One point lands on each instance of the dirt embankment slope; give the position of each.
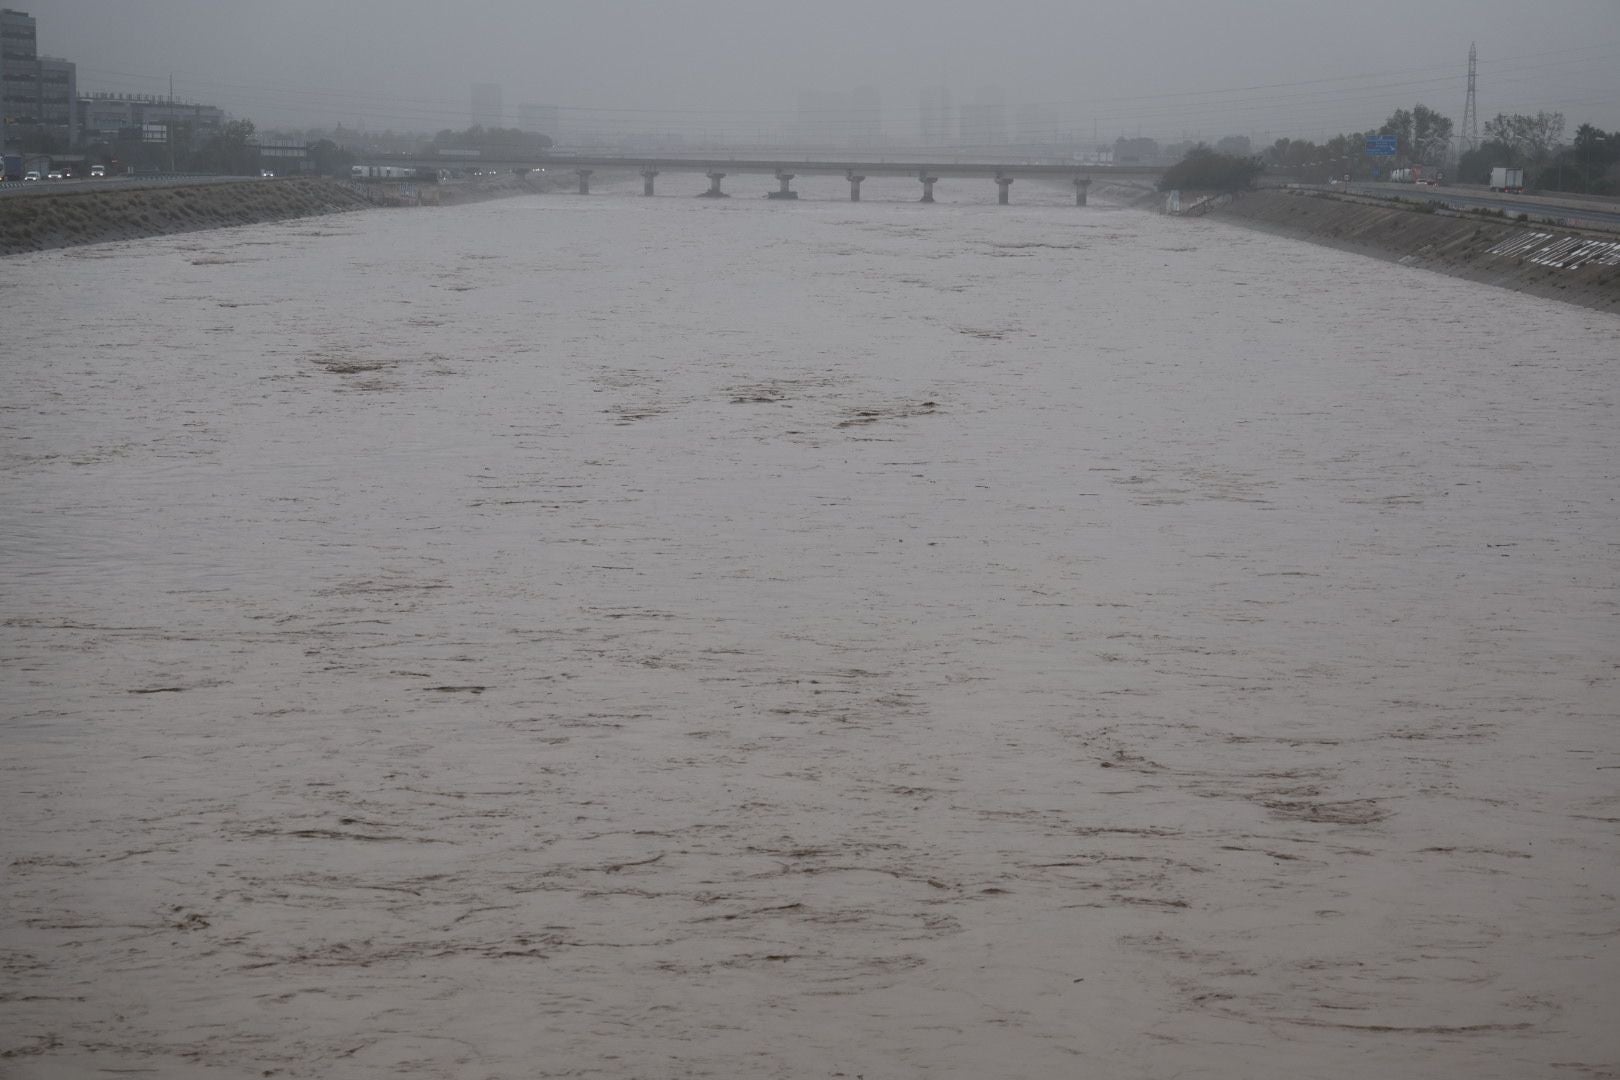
(38, 222)
(1566, 264)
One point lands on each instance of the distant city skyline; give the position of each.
(720, 69)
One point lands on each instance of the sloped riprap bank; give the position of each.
(40, 222)
(1572, 265)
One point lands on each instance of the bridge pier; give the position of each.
(785, 192)
(584, 180)
(1081, 185)
(1004, 183)
(928, 183)
(647, 178)
(854, 185)
(714, 191)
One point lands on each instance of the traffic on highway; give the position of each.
(1567, 210)
(25, 187)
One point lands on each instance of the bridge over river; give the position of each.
(786, 169)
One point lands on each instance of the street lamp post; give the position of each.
(1594, 138)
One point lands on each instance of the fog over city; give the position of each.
(744, 71)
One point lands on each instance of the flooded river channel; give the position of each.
(628, 638)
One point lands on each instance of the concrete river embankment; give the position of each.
(91, 217)
(69, 218)
(1575, 265)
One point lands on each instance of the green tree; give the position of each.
(230, 151)
(182, 144)
(1203, 169)
(330, 159)
(1431, 136)
(133, 152)
(1422, 134)
(1399, 125)
(1534, 138)
(1475, 166)
(1584, 165)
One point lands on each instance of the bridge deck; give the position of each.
(884, 167)
(797, 166)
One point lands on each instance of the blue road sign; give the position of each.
(1383, 145)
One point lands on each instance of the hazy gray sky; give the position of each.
(1165, 68)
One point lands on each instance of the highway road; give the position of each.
(1571, 210)
(18, 188)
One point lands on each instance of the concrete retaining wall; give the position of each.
(1566, 264)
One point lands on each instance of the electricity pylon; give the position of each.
(1470, 122)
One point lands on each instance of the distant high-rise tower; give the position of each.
(37, 93)
(487, 107)
(1470, 123)
(936, 125)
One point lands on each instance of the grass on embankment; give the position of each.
(39, 222)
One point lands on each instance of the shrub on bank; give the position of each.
(1203, 169)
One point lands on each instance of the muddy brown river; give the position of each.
(636, 638)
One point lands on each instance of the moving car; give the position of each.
(266, 174)
(54, 175)
(31, 174)
(97, 171)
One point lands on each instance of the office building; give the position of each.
(106, 117)
(38, 94)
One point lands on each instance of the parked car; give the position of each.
(31, 174)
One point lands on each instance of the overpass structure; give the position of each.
(785, 170)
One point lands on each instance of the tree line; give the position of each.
(1588, 164)
(1423, 137)
(1534, 143)
(233, 149)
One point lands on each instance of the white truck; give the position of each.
(1426, 175)
(1509, 180)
